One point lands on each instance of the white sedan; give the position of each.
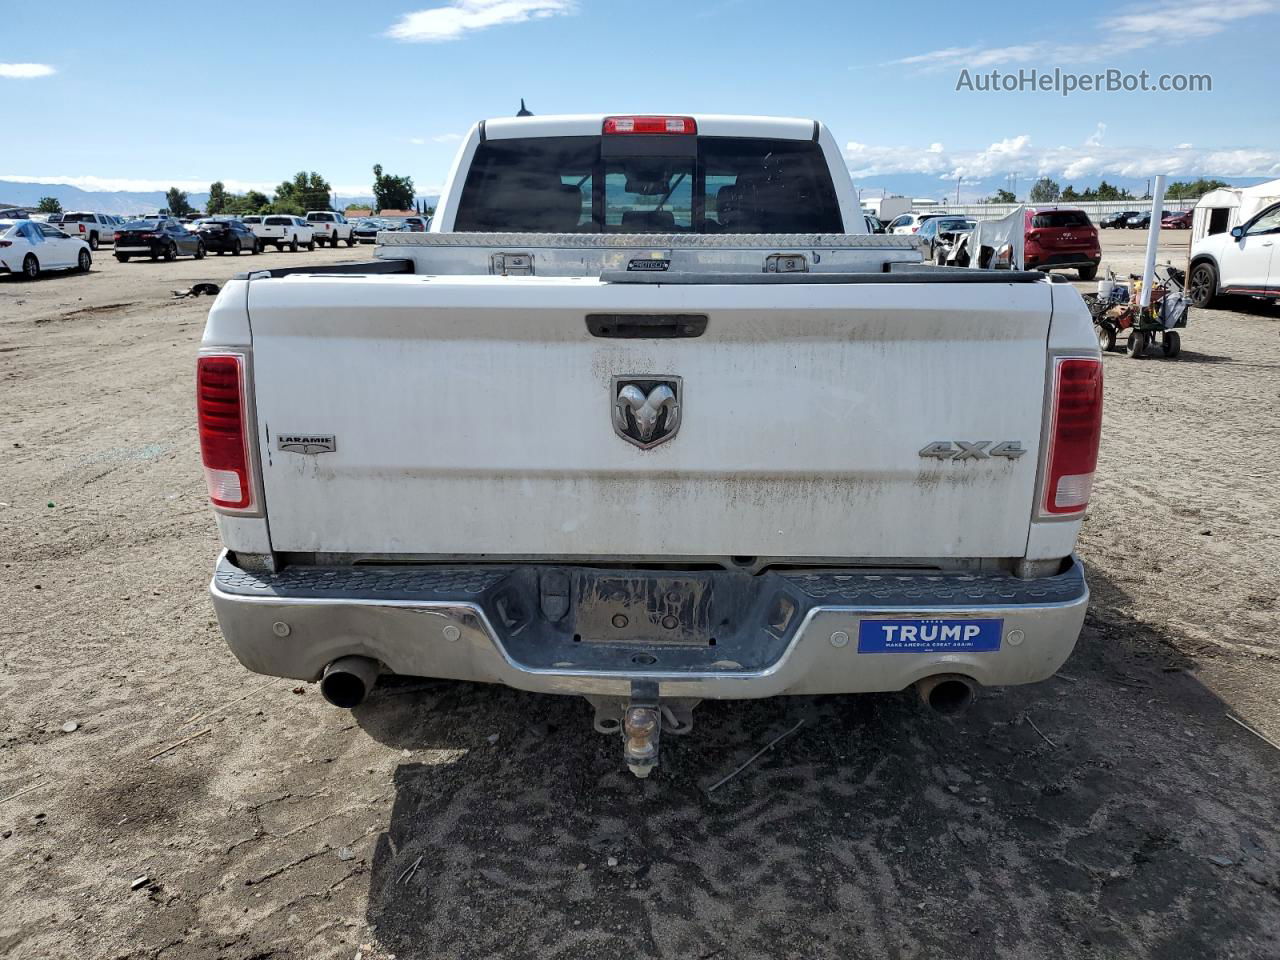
(28, 247)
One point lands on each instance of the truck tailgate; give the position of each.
(474, 415)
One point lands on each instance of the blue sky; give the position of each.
(144, 95)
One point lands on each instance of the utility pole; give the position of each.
(958, 190)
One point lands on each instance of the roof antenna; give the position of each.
(524, 111)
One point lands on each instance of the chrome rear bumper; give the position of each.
(780, 633)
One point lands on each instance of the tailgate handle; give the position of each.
(646, 326)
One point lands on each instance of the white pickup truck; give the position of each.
(647, 417)
(92, 228)
(284, 230)
(330, 227)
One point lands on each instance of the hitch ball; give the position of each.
(640, 728)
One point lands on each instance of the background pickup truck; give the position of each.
(282, 231)
(92, 228)
(330, 227)
(648, 417)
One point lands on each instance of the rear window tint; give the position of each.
(1060, 218)
(278, 222)
(728, 185)
(78, 218)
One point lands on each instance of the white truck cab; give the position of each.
(648, 417)
(330, 227)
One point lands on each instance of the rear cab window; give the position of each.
(1060, 218)
(648, 184)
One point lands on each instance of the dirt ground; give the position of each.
(1113, 811)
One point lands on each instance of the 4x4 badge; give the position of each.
(972, 449)
(646, 410)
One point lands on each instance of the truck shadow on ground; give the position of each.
(1110, 811)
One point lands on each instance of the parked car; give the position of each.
(367, 230)
(283, 230)
(28, 248)
(940, 233)
(873, 223)
(415, 224)
(330, 227)
(93, 228)
(1242, 261)
(1177, 220)
(910, 222)
(406, 513)
(161, 238)
(54, 218)
(226, 235)
(1138, 221)
(1061, 237)
(1117, 220)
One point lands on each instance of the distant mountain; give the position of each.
(923, 185)
(121, 202)
(73, 198)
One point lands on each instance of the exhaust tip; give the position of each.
(947, 694)
(346, 682)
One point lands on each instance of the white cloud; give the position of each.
(1165, 22)
(976, 58)
(447, 138)
(460, 17)
(1019, 155)
(417, 141)
(26, 71)
(1095, 139)
(1172, 20)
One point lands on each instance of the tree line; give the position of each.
(1046, 190)
(305, 191)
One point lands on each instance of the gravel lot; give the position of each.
(1114, 811)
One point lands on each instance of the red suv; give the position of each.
(1061, 237)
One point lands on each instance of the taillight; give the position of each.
(1034, 236)
(915, 229)
(224, 442)
(1074, 432)
(663, 125)
(115, 236)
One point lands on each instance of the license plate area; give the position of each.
(647, 609)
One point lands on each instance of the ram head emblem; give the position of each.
(646, 410)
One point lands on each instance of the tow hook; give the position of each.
(641, 727)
